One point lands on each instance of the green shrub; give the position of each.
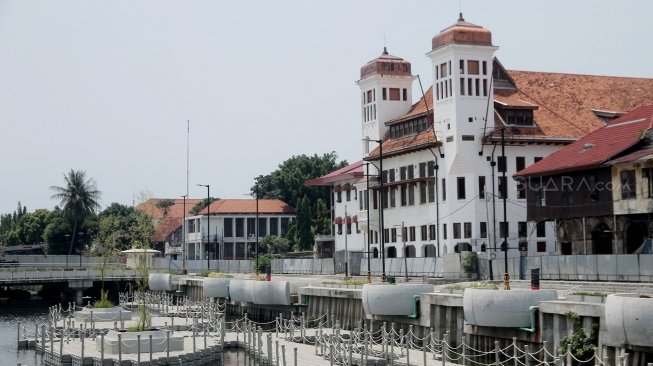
(589, 293)
(485, 284)
(103, 302)
(582, 345)
(220, 275)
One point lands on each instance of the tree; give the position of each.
(275, 244)
(287, 184)
(202, 205)
(164, 205)
(79, 198)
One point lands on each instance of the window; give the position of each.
(424, 235)
(393, 235)
(240, 227)
(274, 226)
(431, 190)
(485, 87)
(395, 94)
(404, 194)
(402, 173)
(339, 229)
(392, 175)
(443, 70)
(405, 92)
(501, 164)
(520, 163)
(483, 229)
(393, 197)
(628, 184)
(648, 174)
(386, 234)
(411, 231)
(411, 194)
(338, 195)
(503, 229)
(285, 223)
(384, 176)
(521, 188)
(431, 168)
(228, 227)
(472, 67)
(462, 86)
(503, 187)
(384, 92)
(481, 186)
(456, 230)
(422, 170)
(541, 246)
(348, 195)
(444, 189)
(422, 192)
(191, 226)
(518, 117)
(360, 202)
(469, 86)
(444, 231)
(375, 204)
(536, 159)
(484, 67)
(540, 229)
(384, 197)
(411, 172)
(478, 88)
(431, 232)
(461, 188)
(262, 227)
(567, 197)
(468, 229)
(251, 226)
(522, 230)
(462, 66)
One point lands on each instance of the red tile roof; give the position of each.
(352, 171)
(562, 103)
(597, 147)
(164, 225)
(643, 154)
(248, 206)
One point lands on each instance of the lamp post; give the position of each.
(256, 229)
(504, 193)
(382, 193)
(367, 209)
(67, 236)
(208, 222)
(183, 236)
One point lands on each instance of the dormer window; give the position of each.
(519, 117)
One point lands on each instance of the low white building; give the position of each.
(447, 161)
(227, 228)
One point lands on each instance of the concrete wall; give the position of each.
(324, 266)
(625, 267)
(225, 266)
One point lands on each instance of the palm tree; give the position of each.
(79, 198)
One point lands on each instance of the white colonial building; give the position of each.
(447, 160)
(232, 233)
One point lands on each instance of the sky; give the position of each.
(108, 87)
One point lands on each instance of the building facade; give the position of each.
(440, 169)
(227, 229)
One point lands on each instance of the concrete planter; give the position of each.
(629, 320)
(505, 309)
(392, 299)
(103, 315)
(272, 293)
(216, 287)
(160, 282)
(242, 290)
(130, 342)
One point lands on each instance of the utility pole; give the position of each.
(506, 276)
(347, 226)
(403, 239)
(367, 209)
(183, 235)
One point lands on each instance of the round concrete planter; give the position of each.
(506, 309)
(216, 287)
(272, 293)
(392, 299)
(130, 342)
(629, 319)
(160, 282)
(242, 290)
(103, 314)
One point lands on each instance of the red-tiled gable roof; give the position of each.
(248, 205)
(562, 104)
(166, 225)
(176, 210)
(351, 171)
(643, 154)
(598, 146)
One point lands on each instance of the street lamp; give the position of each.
(382, 193)
(256, 228)
(208, 222)
(506, 276)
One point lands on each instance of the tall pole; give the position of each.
(494, 213)
(383, 277)
(403, 238)
(506, 276)
(346, 247)
(208, 222)
(257, 225)
(367, 207)
(437, 210)
(183, 245)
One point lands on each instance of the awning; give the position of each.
(354, 219)
(337, 220)
(336, 189)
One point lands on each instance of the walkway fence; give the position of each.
(321, 338)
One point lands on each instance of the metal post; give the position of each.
(119, 348)
(497, 362)
(527, 356)
(514, 351)
(150, 336)
(367, 208)
(83, 337)
(42, 339)
(331, 350)
(276, 351)
(506, 276)
(102, 348)
(269, 339)
(295, 356)
(138, 349)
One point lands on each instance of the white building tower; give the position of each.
(386, 93)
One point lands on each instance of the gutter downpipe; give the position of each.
(533, 311)
(415, 313)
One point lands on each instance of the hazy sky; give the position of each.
(107, 86)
